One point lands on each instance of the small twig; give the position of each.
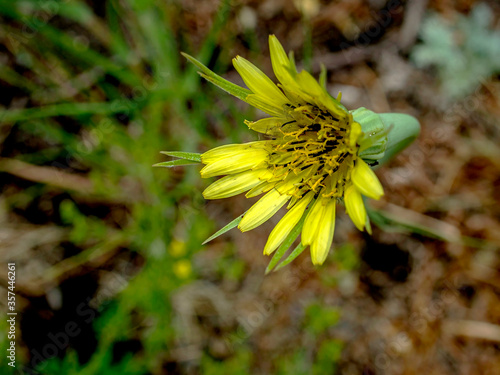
(414, 14)
(472, 329)
(422, 223)
(46, 175)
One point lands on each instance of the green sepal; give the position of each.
(193, 156)
(404, 129)
(175, 163)
(224, 84)
(294, 254)
(386, 134)
(227, 228)
(289, 240)
(374, 141)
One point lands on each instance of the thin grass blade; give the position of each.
(63, 109)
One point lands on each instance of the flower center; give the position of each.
(315, 146)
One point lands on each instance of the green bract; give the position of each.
(390, 133)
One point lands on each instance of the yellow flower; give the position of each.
(310, 161)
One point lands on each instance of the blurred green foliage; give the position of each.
(321, 353)
(127, 97)
(240, 363)
(320, 318)
(105, 96)
(465, 51)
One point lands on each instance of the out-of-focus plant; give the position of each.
(463, 51)
(98, 97)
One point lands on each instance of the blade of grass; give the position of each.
(89, 56)
(160, 45)
(62, 40)
(64, 109)
(81, 13)
(222, 16)
(210, 43)
(13, 78)
(118, 45)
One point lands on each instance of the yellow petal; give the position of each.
(292, 202)
(312, 222)
(233, 184)
(366, 180)
(337, 109)
(266, 125)
(292, 182)
(309, 85)
(265, 105)
(224, 151)
(258, 82)
(355, 207)
(273, 125)
(261, 211)
(322, 242)
(281, 64)
(355, 134)
(286, 224)
(235, 162)
(263, 187)
(368, 225)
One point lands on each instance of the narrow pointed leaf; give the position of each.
(278, 254)
(294, 254)
(224, 84)
(175, 163)
(227, 228)
(289, 240)
(193, 156)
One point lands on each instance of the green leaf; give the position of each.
(289, 240)
(227, 228)
(224, 84)
(175, 163)
(294, 254)
(193, 156)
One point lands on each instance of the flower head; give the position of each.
(311, 161)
